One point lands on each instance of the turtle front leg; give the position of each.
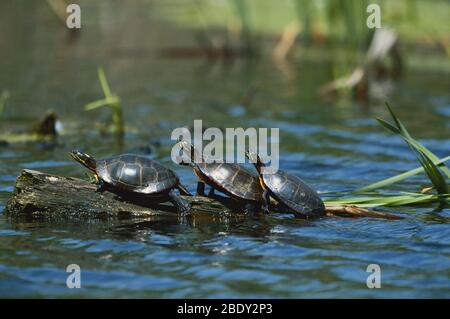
(250, 208)
(266, 201)
(101, 187)
(183, 207)
(201, 188)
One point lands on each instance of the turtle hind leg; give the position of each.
(201, 189)
(183, 207)
(251, 208)
(101, 186)
(266, 201)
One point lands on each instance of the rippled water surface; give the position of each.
(333, 146)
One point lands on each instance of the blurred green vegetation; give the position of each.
(3, 98)
(414, 20)
(254, 26)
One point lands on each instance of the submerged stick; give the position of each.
(45, 196)
(354, 211)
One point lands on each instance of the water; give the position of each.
(333, 146)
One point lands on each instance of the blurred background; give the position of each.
(311, 68)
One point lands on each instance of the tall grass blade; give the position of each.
(426, 158)
(392, 201)
(101, 102)
(111, 100)
(103, 82)
(434, 174)
(412, 142)
(397, 178)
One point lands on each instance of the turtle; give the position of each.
(239, 183)
(288, 190)
(134, 174)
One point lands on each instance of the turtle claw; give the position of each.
(185, 210)
(250, 209)
(183, 207)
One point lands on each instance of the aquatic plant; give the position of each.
(433, 166)
(374, 200)
(397, 178)
(238, 26)
(426, 158)
(111, 100)
(243, 13)
(334, 19)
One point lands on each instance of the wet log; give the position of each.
(48, 197)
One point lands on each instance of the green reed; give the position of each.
(110, 100)
(434, 167)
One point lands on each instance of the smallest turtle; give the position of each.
(288, 190)
(136, 175)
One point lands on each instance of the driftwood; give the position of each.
(49, 197)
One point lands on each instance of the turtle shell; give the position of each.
(136, 174)
(231, 179)
(294, 193)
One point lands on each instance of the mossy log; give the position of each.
(46, 196)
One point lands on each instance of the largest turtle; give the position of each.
(134, 174)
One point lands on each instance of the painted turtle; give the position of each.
(288, 190)
(136, 174)
(231, 179)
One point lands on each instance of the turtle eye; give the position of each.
(76, 153)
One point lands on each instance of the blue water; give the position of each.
(334, 146)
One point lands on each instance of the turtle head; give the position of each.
(255, 159)
(84, 159)
(183, 161)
